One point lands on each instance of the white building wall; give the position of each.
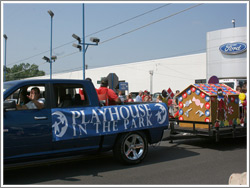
(176, 73)
(222, 65)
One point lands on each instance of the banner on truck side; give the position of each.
(83, 122)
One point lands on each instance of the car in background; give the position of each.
(134, 94)
(155, 95)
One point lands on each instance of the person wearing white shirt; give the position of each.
(35, 101)
(139, 97)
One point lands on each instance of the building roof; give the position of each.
(209, 89)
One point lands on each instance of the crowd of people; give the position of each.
(242, 104)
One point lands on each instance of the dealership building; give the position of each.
(225, 57)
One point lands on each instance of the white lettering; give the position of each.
(75, 115)
(148, 121)
(83, 129)
(116, 113)
(95, 116)
(97, 127)
(136, 110)
(83, 117)
(103, 113)
(106, 126)
(122, 114)
(126, 122)
(74, 130)
(148, 110)
(141, 122)
(115, 128)
(142, 110)
(134, 123)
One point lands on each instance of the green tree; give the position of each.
(23, 70)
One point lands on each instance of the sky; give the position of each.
(132, 32)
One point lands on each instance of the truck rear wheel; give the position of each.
(131, 148)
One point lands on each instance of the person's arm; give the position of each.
(21, 107)
(38, 104)
(112, 95)
(118, 100)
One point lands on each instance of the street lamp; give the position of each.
(233, 21)
(53, 58)
(81, 44)
(151, 72)
(51, 16)
(81, 47)
(5, 37)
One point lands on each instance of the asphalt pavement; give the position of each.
(184, 162)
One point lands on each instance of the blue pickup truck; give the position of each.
(73, 121)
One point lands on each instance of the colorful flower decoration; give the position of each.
(180, 98)
(202, 95)
(207, 113)
(207, 98)
(236, 100)
(207, 105)
(193, 89)
(232, 98)
(181, 118)
(184, 95)
(181, 112)
(181, 105)
(197, 92)
(189, 92)
(230, 110)
(207, 119)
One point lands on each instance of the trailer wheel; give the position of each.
(131, 148)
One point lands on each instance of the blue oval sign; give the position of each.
(233, 48)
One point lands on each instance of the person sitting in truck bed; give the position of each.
(104, 93)
(35, 101)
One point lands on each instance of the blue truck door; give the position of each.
(27, 132)
(68, 98)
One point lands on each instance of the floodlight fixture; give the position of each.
(94, 39)
(53, 58)
(77, 38)
(46, 58)
(77, 46)
(51, 13)
(233, 21)
(5, 36)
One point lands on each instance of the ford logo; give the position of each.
(233, 48)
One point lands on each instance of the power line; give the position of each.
(128, 19)
(131, 31)
(122, 22)
(144, 26)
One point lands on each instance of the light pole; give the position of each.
(5, 44)
(51, 16)
(151, 72)
(81, 44)
(233, 21)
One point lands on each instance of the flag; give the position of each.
(170, 93)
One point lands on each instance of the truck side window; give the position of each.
(22, 98)
(70, 95)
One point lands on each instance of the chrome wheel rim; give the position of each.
(134, 147)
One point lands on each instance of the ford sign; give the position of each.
(233, 48)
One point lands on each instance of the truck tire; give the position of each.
(131, 148)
